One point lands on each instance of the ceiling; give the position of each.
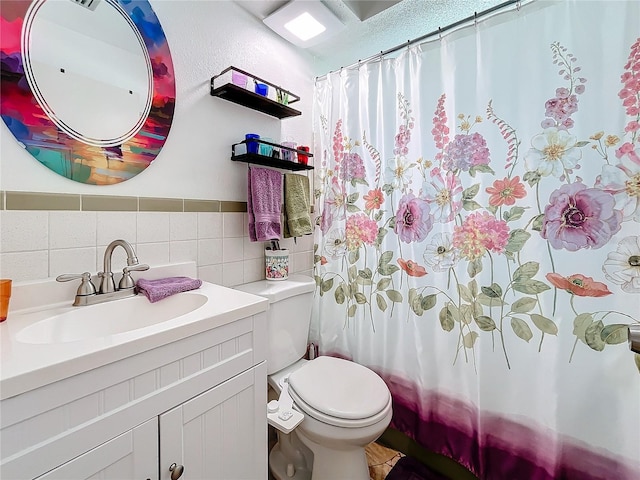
(375, 25)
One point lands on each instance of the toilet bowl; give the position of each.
(345, 405)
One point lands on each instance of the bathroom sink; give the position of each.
(106, 319)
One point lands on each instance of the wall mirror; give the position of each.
(87, 85)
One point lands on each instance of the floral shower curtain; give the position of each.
(478, 240)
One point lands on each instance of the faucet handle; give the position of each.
(126, 281)
(86, 285)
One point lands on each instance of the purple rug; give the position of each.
(408, 468)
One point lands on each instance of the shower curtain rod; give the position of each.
(440, 31)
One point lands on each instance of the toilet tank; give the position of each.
(288, 317)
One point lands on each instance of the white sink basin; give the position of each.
(110, 318)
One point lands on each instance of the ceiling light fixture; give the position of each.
(304, 22)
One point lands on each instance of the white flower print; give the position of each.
(622, 267)
(553, 153)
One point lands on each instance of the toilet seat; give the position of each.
(339, 392)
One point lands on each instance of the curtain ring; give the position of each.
(439, 33)
(518, 5)
(475, 19)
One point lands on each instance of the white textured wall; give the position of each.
(205, 37)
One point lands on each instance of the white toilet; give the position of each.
(345, 405)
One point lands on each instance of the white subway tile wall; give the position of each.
(43, 244)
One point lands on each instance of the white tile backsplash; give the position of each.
(183, 251)
(232, 250)
(209, 225)
(153, 253)
(153, 227)
(210, 251)
(25, 265)
(117, 225)
(233, 224)
(72, 229)
(71, 260)
(24, 231)
(232, 274)
(38, 244)
(183, 226)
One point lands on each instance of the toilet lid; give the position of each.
(340, 388)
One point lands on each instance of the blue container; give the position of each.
(252, 146)
(262, 89)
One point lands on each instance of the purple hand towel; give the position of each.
(165, 287)
(264, 204)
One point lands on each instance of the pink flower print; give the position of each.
(561, 108)
(374, 199)
(578, 284)
(440, 129)
(413, 219)
(351, 167)
(443, 191)
(466, 151)
(360, 229)
(337, 143)
(623, 182)
(554, 153)
(412, 268)
(630, 93)
(402, 140)
(580, 217)
(480, 232)
(506, 192)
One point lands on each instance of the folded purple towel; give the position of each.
(264, 204)
(158, 289)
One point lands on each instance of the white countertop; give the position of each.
(25, 366)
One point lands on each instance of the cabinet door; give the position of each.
(220, 434)
(132, 455)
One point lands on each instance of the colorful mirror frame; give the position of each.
(56, 150)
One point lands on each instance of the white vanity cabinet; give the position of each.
(198, 401)
(132, 455)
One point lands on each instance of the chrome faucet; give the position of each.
(87, 294)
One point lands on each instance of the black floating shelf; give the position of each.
(247, 98)
(270, 162)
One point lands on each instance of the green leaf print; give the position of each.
(514, 214)
(494, 291)
(470, 205)
(490, 301)
(471, 192)
(544, 324)
(395, 296)
(530, 287)
(580, 325)
(446, 319)
(474, 267)
(637, 360)
(593, 336)
(614, 334)
(521, 329)
(469, 339)
(485, 323)
(326, 285)
(537, 222)
(354, 256)
(526, 271)
(517, 239)
(360, 298)
(523, 305)
(429, 302)
(385, 258)
(339, 294)
(382, 303)
(351, 312)
(383, 283)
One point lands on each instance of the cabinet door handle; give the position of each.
(176, 471)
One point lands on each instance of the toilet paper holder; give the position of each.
(634, 337)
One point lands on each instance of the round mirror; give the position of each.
(88, 85)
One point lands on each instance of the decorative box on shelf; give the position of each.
(240, 153)
(246, 89)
